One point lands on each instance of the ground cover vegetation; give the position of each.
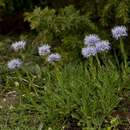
(64, 65)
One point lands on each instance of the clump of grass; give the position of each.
(86, 94)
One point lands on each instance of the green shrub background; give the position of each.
(61, 23)
(49, 96)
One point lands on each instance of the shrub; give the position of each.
(64, 28)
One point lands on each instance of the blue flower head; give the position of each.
(89, 51)
(119, 31)
(103, 46)
(91, 40)
(54, 57)
(15, 63)
(19, 45)
(44, 50)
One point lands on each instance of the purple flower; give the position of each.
(119, 31)
(103, 46)
(15, 63)
(44, 50)
(91, 40)
(89, 51)
(54, 57)
(19, 45)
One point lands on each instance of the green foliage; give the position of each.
(88, 95)
(108, 12)
(43, 96)
(103, 13)
(116, 11)
(66, 21)
(55, 93)
(64, 29)
(123, 11)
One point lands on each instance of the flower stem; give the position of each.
(123, 52)
(98, 61)
(91, 61)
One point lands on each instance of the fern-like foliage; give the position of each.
(65, 27)
(115, 12)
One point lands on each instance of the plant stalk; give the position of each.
(123, 52)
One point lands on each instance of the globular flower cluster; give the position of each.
(44, 50)
(54, 57)
(94, 45)
(89, 51)
(103, 46)
(119, 31)
(91, 40)
(19, 45)
(15, 63)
